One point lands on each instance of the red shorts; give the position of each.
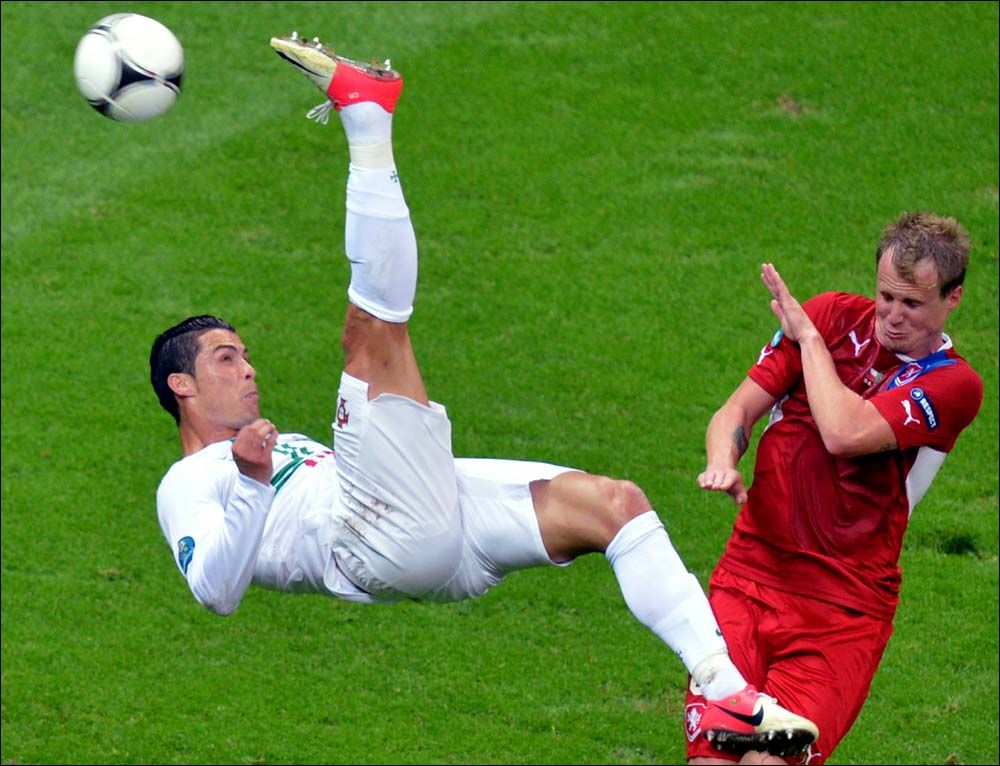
(817, 659)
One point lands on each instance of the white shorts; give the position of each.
(414, 521)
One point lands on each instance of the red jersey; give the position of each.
(832, 528)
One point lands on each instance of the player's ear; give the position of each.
(954, 297)
(182, 384)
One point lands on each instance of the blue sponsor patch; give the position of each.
(920, 397)
(185, 550)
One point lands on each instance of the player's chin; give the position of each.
(248, 418)
(897, 343)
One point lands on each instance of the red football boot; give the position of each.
(344, 81)
(750, 720)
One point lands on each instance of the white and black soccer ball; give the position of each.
(129, 67)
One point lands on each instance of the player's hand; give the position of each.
(252, 449)
(795, 323)
(728, 480)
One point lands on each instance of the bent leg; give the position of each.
(402, 531)
(399, 533)
(579, 513)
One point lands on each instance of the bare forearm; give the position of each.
(727, 437)
(838, 411)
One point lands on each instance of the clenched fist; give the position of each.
(252, 449)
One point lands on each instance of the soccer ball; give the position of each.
(129, 67)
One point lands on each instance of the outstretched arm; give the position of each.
(849, 425)
(728, 437)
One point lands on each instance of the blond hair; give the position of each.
(917, 237)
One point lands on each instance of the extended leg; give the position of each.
(399, 531)
(379, 238)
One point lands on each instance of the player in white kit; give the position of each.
(389, 513)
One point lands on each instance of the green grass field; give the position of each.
(593, 188)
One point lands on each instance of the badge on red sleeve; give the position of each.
(919, 396)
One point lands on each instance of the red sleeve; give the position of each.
(779, 363)
(933, 409)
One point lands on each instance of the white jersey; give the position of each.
(227, 530)
(392, 515)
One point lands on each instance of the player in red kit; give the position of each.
(866, 398)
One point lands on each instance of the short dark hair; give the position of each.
(916, 237)
(175, 350)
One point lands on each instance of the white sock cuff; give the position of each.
(383, 257)
(632, 534)
(379, 310)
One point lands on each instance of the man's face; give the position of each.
(224, 381)
(909, 316)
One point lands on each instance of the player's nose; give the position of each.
(895, 316)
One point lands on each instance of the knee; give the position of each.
(579, 513)
(621, 501)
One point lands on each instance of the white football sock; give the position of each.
(669, 600)
(378, 238)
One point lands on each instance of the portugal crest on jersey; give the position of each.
(343, 416)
